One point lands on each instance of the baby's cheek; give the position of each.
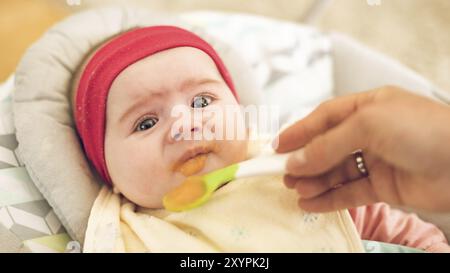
(235, 151)
(148, 169)
(146, 183)
(138, 171)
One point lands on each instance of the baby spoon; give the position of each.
(196, 190)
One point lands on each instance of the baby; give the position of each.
(123, 96)
(137, 128)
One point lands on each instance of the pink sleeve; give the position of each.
(378, 222)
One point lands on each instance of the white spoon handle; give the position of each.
(264, 165)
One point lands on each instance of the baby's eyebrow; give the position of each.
(139, 103)
(191, 82)
(185, 85)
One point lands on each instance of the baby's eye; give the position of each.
(201, 101)
(146, 124)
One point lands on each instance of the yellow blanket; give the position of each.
(247, 215)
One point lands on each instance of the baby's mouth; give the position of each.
(192, 166)
(193, 160)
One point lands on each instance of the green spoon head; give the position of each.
(186, 195)
(196, 190)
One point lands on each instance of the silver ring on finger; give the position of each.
(360, 163)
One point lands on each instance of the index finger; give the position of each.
(324, 117)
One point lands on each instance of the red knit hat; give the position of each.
(107, 63)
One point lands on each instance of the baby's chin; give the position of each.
(148, 203)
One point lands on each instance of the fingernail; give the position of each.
(275, 143)
(300, 157)
(295, 162)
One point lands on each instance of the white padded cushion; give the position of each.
(48, 144)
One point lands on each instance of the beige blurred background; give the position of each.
(415, 32)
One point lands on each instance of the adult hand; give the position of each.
(405, 141)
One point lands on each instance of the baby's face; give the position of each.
(144, 154)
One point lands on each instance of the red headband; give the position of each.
(107, 63)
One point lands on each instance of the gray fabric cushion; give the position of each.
(48, 144)
(9, 242)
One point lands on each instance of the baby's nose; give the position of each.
(185, 132)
